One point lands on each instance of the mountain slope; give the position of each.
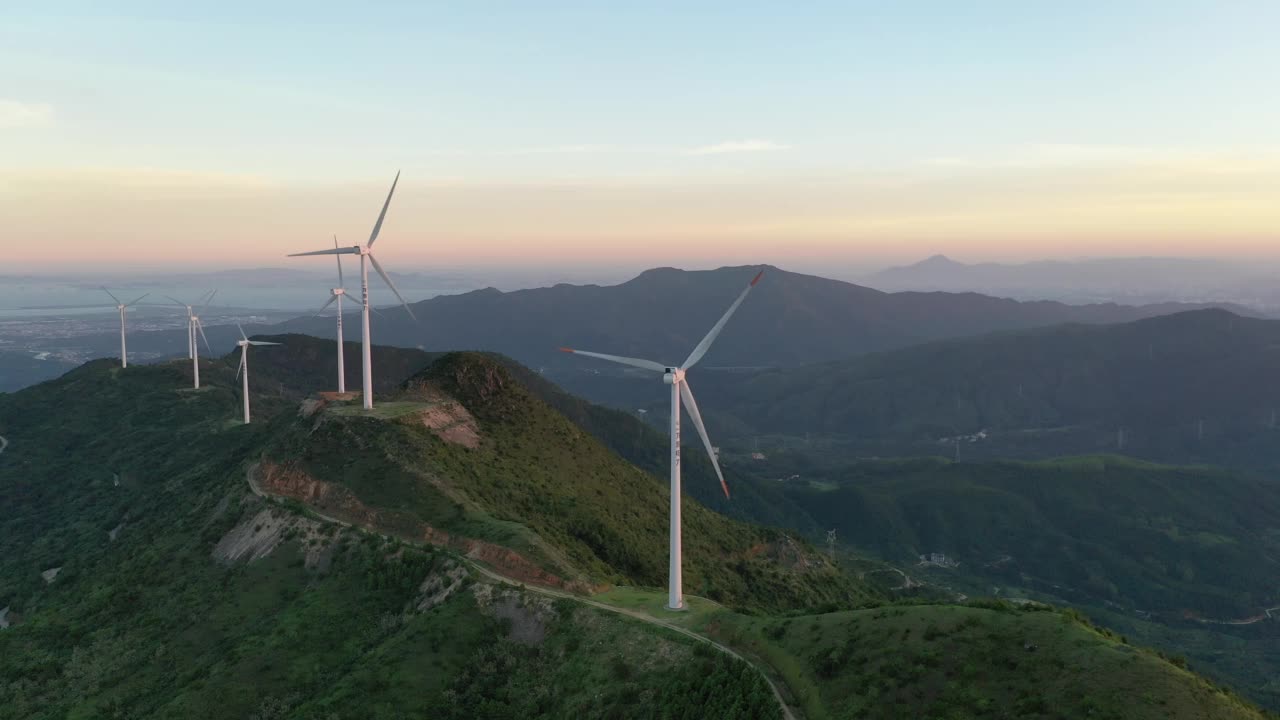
(179, 593)
(1184, 388)
(992, 660)
(468, 451)
(662, 313)
(1184, 558)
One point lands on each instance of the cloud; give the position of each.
(737, 146)
(15, 114)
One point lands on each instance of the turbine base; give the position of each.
(681, 608)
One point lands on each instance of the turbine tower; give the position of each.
(675, 377)
(366, 257)
(193, 326)
(243, 343)
(336, 294)
(121, 307)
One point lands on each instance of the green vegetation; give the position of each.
(1189, 388)
(1163, 554)
(603, 519)
(951, 661)
(180, 594)
(331, 623)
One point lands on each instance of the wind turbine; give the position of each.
(121, 307)
(366, 252)
(675, 377)
(194, 325)
(336, 294)
(244, 342)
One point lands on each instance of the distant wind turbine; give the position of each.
(366, 252)
(244, 342)
(675, 377)
(337, 294)
(121, 307)
(193, 326)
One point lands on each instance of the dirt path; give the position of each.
(787, 712)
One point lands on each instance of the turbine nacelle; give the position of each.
(673, 376)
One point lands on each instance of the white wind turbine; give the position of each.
(366, 252)
(121, 307)
(337, 294)
(193, 326)
(675, 377)
(243, 343)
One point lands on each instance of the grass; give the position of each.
(958, 661)
(382, 410)
(653, 602)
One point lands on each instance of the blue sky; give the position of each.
(661, 96)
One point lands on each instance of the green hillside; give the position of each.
(133, 487)
(180, 593)
(1185, 558)
(467, 450)
(1191, 388)
(992, 661)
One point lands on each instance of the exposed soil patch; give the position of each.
(451, 422)
(51, 574)
(4, 617)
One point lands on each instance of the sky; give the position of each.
(807, 135)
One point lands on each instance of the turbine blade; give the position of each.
(691, 406)
(337, 251)
(263, 342)
(322, 307)
(179, 303)
(705, 345)
(113, 297)
(135, 302)
(200, 327)
(242, 335)
(377, 227)
(391, 285)
(338, 257)
(239, 369)
(207, 301)
(635, 362)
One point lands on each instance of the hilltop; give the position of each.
(466, 455)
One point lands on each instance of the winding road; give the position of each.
(787, 711)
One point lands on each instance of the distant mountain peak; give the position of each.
(937, 261)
